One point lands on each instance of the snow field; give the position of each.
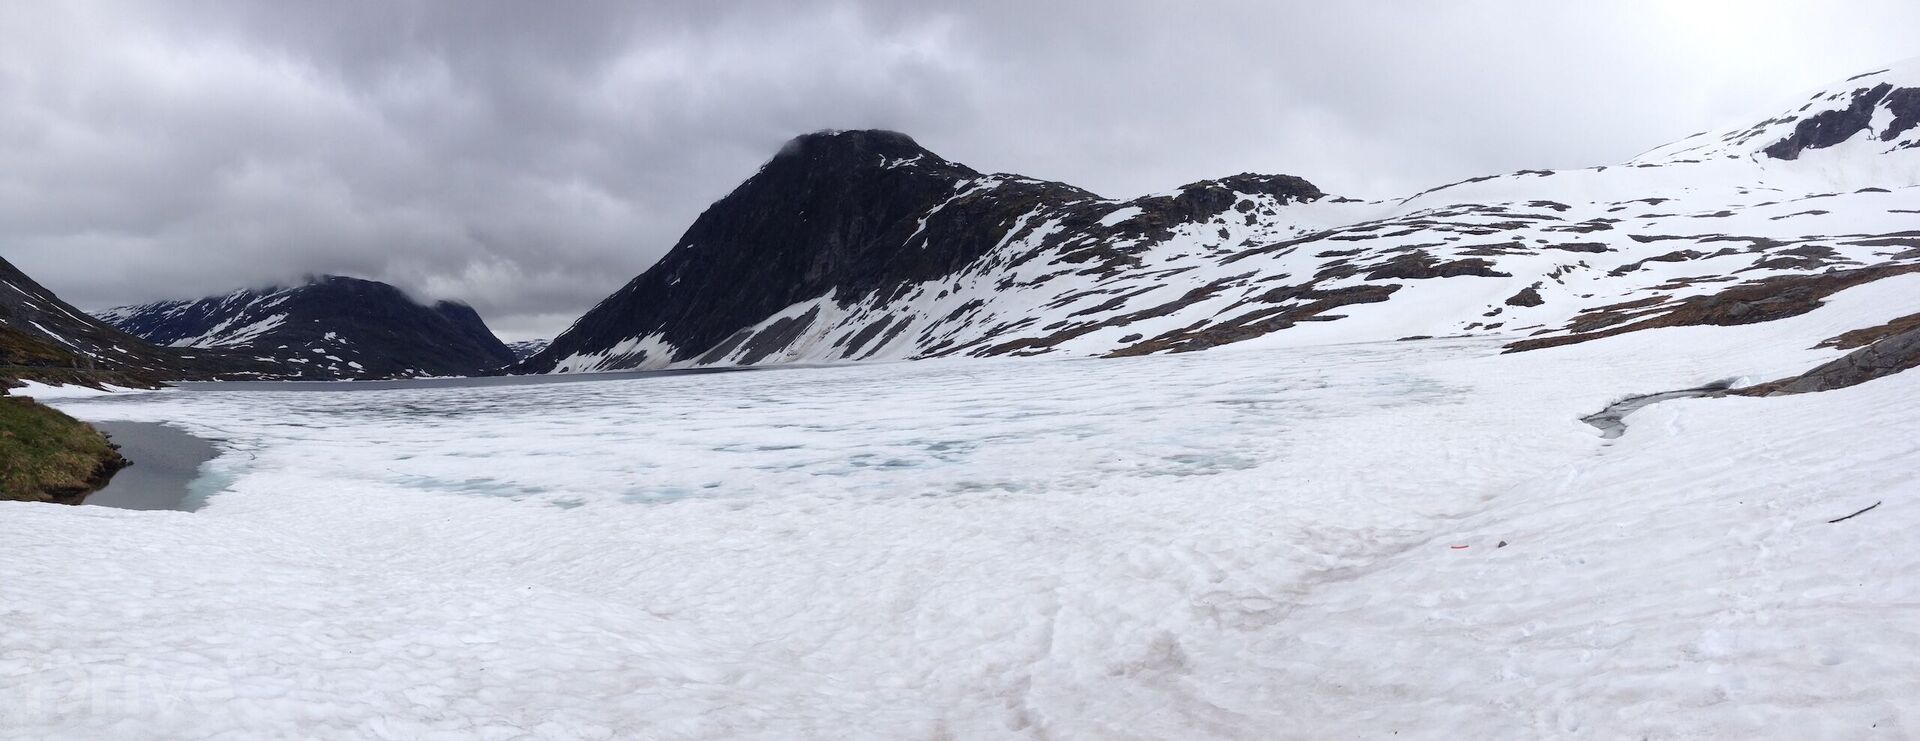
(1245, 543)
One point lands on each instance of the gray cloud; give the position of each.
(530, 158)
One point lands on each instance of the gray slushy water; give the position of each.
(165, 459)
(1612, 421)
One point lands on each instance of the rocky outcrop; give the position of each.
(1762, 300)
(1896, 352)
(1827, 128)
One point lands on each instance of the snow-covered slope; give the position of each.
(329, 327)
(524, 349)
(1385, 540)
(39, 327)
(864, 246)
(1871, 113)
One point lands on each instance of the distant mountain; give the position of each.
(330, 327)
(43, 337)
(870, 218)
(863, 245)
(527, 348)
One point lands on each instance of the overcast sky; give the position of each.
(530, 158)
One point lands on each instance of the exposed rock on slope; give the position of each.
(1888, 349)
(863, 245)
(331, 327)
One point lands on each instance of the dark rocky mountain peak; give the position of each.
(821, 148)
(846, 212)
(857, 216)
(1208, 198)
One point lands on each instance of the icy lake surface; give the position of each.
(1243, 543)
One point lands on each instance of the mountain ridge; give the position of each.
(329, 326)
(880, 266)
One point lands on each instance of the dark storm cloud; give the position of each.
(531, 157)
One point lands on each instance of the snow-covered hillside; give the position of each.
(524, 349)
(914, 256)
(1400, 539)
(328, 327)
(1871, 113)
(37, 326)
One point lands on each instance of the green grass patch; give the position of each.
(24, 357)
(46, 456)
(20, 348)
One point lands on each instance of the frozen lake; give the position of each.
(426, 384)
(1241, 544)
(167, 460)
(913, 430)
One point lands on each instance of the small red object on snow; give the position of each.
(1458, 547)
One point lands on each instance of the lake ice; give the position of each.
(1244, 543)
